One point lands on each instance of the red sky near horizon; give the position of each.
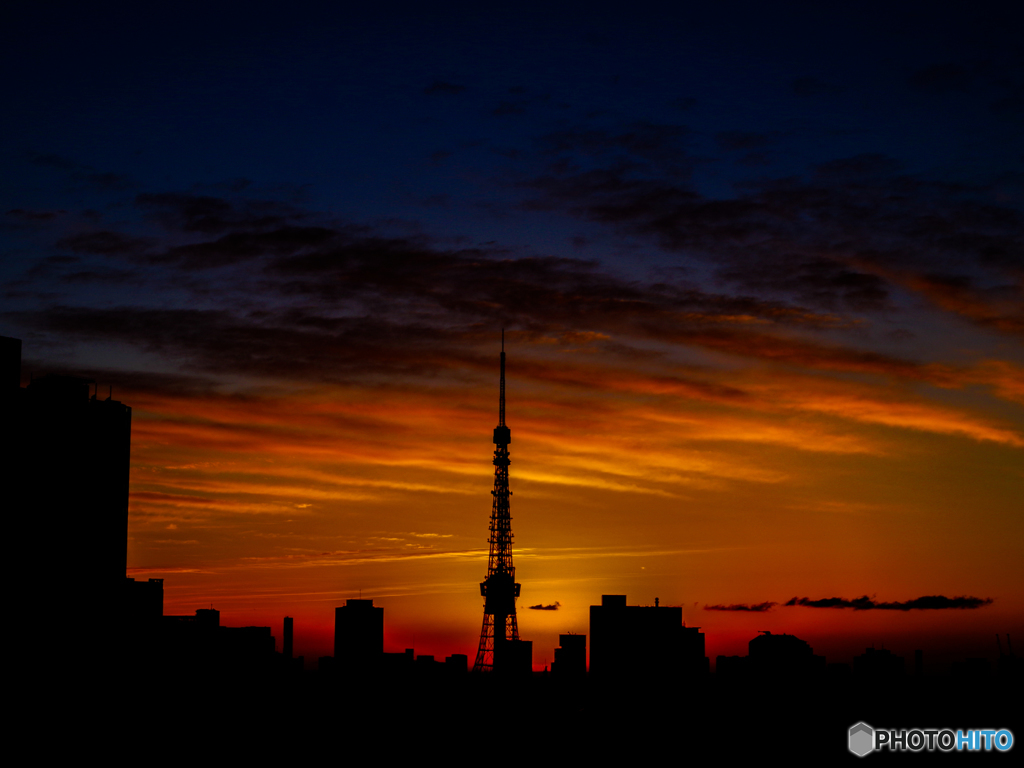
(809, 485)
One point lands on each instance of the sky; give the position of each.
(760, 269)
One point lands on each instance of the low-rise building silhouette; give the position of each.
(457, 665)
(732, 668)
(513, 658)
(198, 643)
(782, 657)
(570, 658)
(643, 642)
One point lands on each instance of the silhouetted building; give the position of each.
(292, 662)
(643, 642)
(71, 454)
(732, 668)
(397, 665)
(142, 621)
(199, 644)
(358, 636)
(570, 658)
(783, 657)
(245, 647)
(427, 668)
(208, 617)
(513, 658)
(457, 664)
(66, 493)
(694, 661)
(143, 601)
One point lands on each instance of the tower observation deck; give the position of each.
(499, 589)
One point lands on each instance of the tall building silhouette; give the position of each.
(358, 636)
(499, 589)
(66, 495)
(289, 628)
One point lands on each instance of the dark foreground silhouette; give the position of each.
(111, 677)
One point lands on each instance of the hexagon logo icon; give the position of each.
(862, 739)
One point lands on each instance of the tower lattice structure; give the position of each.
(499, 589)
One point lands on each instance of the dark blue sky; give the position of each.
(613, 134)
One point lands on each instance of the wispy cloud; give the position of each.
(541, 607)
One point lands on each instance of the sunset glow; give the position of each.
(762, 301)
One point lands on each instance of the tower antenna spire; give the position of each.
(499, 589)
(501, 393)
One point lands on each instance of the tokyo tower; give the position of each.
(499, 589)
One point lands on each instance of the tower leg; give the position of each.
(485, 653)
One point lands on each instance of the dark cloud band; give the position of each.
(742, 607)
(865, 603)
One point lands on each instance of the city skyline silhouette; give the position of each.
(758, 270)
(638, 666)
(79, 447)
